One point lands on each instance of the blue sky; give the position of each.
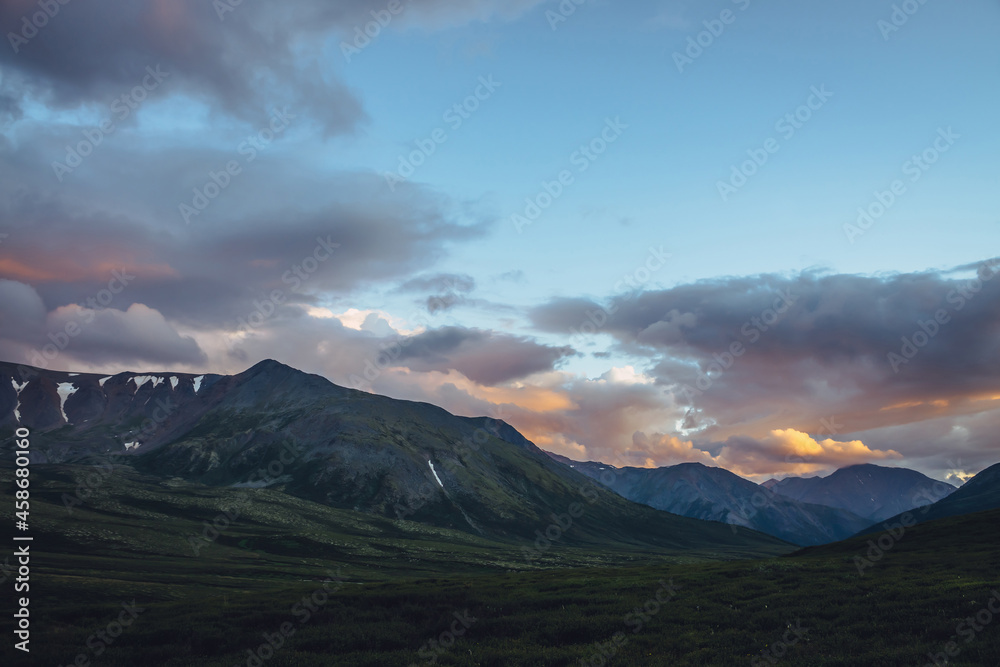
(487, 310)
(657, 185)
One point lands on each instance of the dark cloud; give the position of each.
(446, 290)
(210, 275)
(94, 52)
(73, 334)
(440, 283)
(244, 61)
(829, 350)
(484, 357)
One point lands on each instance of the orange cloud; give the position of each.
(44, 271)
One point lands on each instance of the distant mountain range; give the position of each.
(298, 433)
(715, 494)
(979, 494)
(278, 427)
(870, 491)
(802, 510)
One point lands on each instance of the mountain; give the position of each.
(979, 494)
(273, 426)
(870, 491)
(715, 494)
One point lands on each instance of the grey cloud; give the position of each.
(485, 357)
(92, 52)
(440, 283)
(828, 354)
(209, 275)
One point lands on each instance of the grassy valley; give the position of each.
(353, 589)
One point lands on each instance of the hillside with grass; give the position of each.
(358, 590)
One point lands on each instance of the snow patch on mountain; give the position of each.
(143, 379)
(65, 390)
(434, 472)
(18, 388)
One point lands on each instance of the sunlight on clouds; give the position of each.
(660, 449)
(797, 443)
(321, 313)
(368, 320)
(62, 269)
(625, 375)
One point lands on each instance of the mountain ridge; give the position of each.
(981, 493)
(712, 493)
(341, 447)
(871, 491)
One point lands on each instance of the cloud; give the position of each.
(440, 283)
(488, 358)
(22, 311)
(136, 335)
(211, 275)
(94, 52)
(807, 346)
(240, 57)
(447, 290)
(73, 335)
(782, 451)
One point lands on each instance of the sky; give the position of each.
(760, 236)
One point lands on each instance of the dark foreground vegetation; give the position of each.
(291, 583)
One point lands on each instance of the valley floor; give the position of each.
(104, 592)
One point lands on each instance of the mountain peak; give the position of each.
(867, 466)
(269, 365)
